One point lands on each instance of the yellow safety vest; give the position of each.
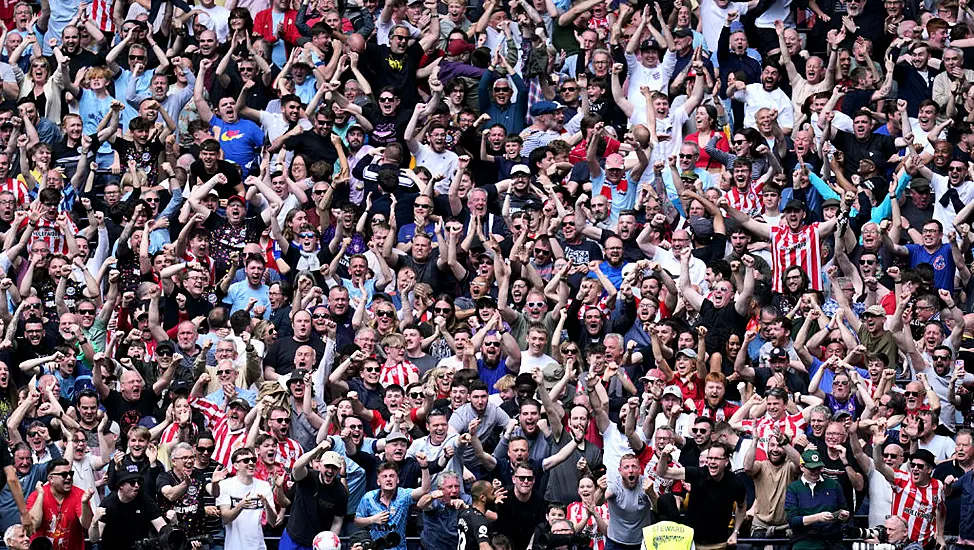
(668, 535)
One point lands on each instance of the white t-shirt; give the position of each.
(880, 498)
(756, 98)
(941, 446)
(529, 362)
(713, 17)
(245, 532)
(444, 163)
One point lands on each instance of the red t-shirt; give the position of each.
(62, 521)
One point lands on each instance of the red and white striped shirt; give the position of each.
(803, 249)
(101, 14)
(762, 428)
(48, 231)
(19, 190)
(578, 514)
(747, 200)
(917, 506)
(288, 452)
(397, 374)
(227, 440)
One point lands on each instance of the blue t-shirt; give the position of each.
(141, 90)
(93, 111)
(623, 194)
(490, 376)
(240, 141)
(942, 261)
(239, 295)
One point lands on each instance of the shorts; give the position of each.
(287, 543)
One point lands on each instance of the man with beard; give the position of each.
(278, 424)
(241, 295)
(279, 359)
(771, 479)
(714, 404)
(181, 490)
(276, 126)
(486, 419)
(920, 207)
(320, 496)
(584, 457)
(933, 251)
(229, 428)
(716, 492)
(918, 498)
(740, 239)
(776, 419)
(385, 509)
(793, 242)
(78, 57)
(951, 192)
(499, 354)
(718, 312)
(520, 513)
(613, 181)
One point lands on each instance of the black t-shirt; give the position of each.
(518, 519)
(712, 504)
(280, 356)
(952, 524)
(721, 323)
(128, 413)
(316, 505)
(792, 381)
(189, 509)
(126, 523)
(836, 470)
(387, 130)
(583, 252)
(312, 145)
(228, 169)
(395, 70)
(472, 528)
(877, 147)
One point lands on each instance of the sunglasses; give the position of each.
(911, 393)
(320, 316)
(86, 312)
(698, 430)
(918, 465)
(63, 475)
(535, 304)
(248, 460)
(206, 450)
(492, 344)
(33, 434)
(891, 455)
(444, 310)
(416, 395)
(33, 306)
(418, 205)
(224, 371)
(372, 369)
(867, 262)
(386, 99)
(385, 313)
(524, 478)
(307, 235)
(569, 89)
(281, 420)
(570, 351)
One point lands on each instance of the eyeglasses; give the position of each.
(137, 57)
(418, 205)
(355, 427)
(248, 460)
(399, 36)
(569, 351)
(840, 382)
(164, 353)
(956, 168)
(35, 305)
(319, 191)
(444, 376)
(569, 89)
(385, 313)
(698, 430)
(683, 156)
(33, 434)
(151, 199)
(918, 465)
(740, 141)
(941, 358)
(524, 478)
(416, 395)
(132, 482)
(397, 348)
(867, 262)
(245, 69)
(502, 90)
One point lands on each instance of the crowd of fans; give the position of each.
(487, 276)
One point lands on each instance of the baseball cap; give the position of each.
(702, 227)
(520, 169)
(812, 459)
(688, 353)
(545, 107)
(920, 184)
(682, 32)
(794, 204)
(654, 374)
(830, 202)
(553, 372)
(213, 193)
(165, 345)
(331, 458)
(778, 353)
(673, 390)
(614, 161)
(239, 402)
(649, 45)
(397, 436)
(875, 311)
(925, 456)
(458, 46)
(237, 198)
(129, 475)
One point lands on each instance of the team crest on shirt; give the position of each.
(939, 263)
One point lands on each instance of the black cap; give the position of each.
(794, 204)
(297, 376)
(682, 32)
(240, 402)
(486, 301)
(166, 345)
(925, 456)
(778, 353)
(128, 475)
